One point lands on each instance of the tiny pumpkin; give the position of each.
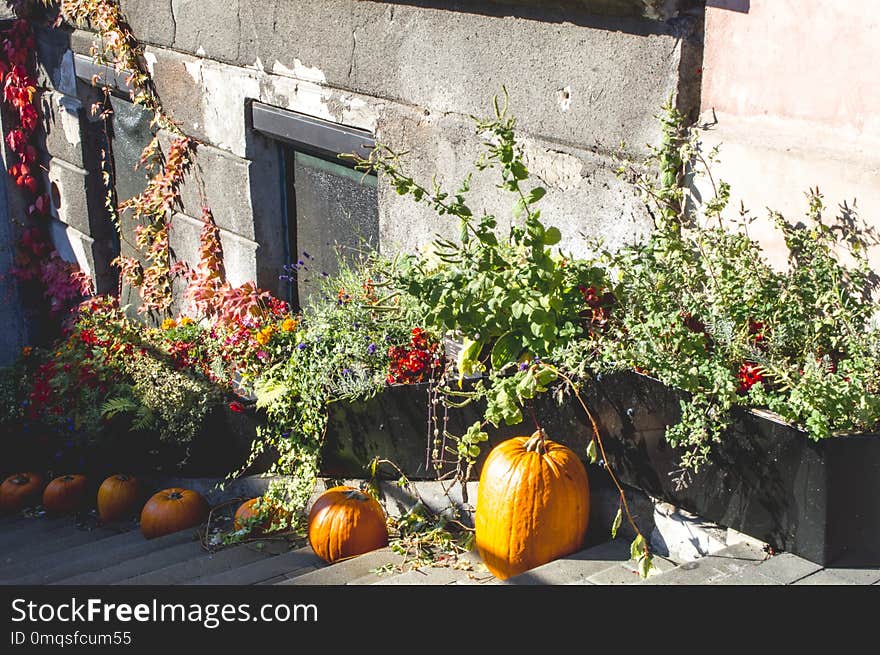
(533, 505)
(248, 514)
(172, 510)
(19, 490)
(118, 497)
(345, 522)
(65, 494)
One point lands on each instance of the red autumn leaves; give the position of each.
(19, 90)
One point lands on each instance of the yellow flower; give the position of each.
(265, 335)
(169, 323)
(186, 320)
(288, 325)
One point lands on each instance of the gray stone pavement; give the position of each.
(35, 551)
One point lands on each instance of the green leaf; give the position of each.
(536, 194)
(506, 349)
(552, 236)
(467, 358)
(618, 519)
(591, 452)
(269, 391)
(645, 566)
(637, 548)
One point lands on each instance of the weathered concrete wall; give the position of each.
(13, 336)
(72, 137)
(413, 73)
(796, 95)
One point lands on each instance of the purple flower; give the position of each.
(346, 371)
(523, 366)
(302, 346)
(371, 349)
(262, 355)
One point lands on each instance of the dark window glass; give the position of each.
(335, 216)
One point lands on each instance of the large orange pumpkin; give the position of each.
(533, 505)
(19, 490)
(65, 494)
(172, 510)
(345, 522)
(248, 513)
(118, 497)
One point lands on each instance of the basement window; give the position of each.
(332, 210)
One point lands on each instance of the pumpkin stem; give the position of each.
(20, 479)
(175, 495)
(67, 478)
(354, 494)
(122, 477)
(536, 444)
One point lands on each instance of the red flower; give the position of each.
(749, 375)
(236, 407)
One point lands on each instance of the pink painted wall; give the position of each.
(795, 88)
(813, 60)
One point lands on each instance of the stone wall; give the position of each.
(583, 77)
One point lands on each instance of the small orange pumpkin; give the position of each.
(345, 522)
(172, 510)
(19, 490)
(248, 513)
(65, 494)
(118, 497)
(533, 505)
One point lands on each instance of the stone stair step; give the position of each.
(129, 568)
(285, 566)
(57, 542)
(434, 575)
(576, 568)
(103, 554)
(48, 560)
(201, 565)
(425, 575)
(343, 572)
(25, 530)
(727, 562)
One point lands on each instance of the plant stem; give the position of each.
(598, 438)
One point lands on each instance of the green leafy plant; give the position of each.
(339, 351)
(703, 311)
(514, 302)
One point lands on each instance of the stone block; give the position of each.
(240, 255)
(153, 22)
(55, 68)
(63, 128)
(786, 568)
(824, 577)
(226, 185)
(69, 194)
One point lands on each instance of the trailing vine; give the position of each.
(38, 265)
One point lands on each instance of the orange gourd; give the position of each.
(118, 497)
(65, 494)
(172, 510)
(248, 513)
(19, 490)
(345, 522)
(533, 505)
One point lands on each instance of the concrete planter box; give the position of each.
(767, 479)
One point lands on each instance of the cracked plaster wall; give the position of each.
(413, 73)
